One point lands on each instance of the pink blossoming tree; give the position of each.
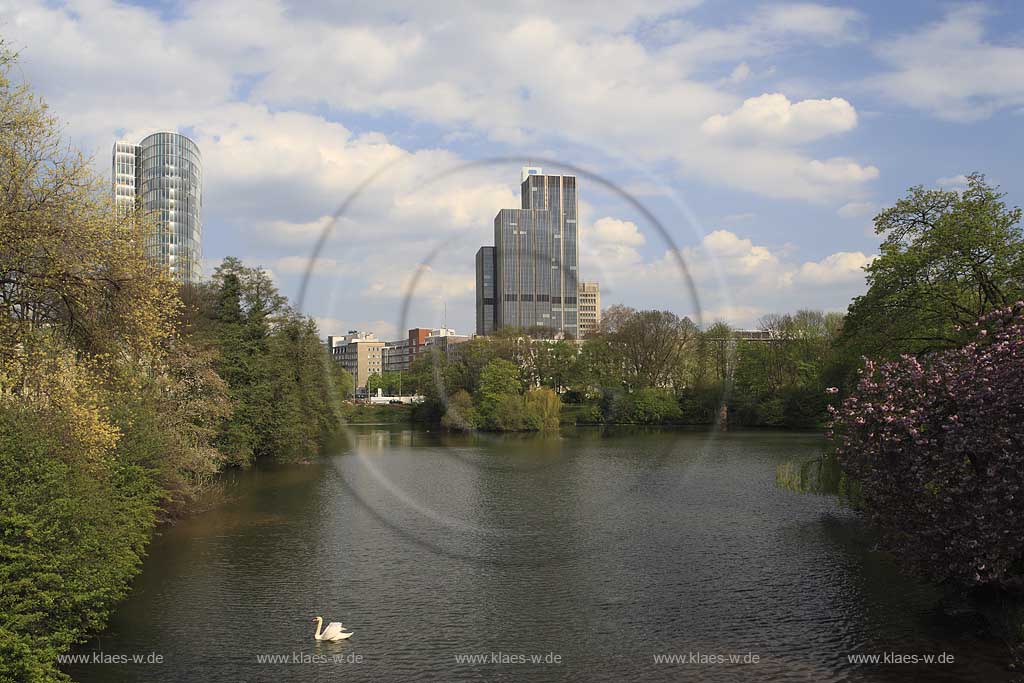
(936, 445)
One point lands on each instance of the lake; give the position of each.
(587, 556)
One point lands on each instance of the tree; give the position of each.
(460, 413)
(645, 348)
(390, 382)
(498, 397)
(935, 445)
(779, 381)
(947, 259)
(543, 409)
(285, 389)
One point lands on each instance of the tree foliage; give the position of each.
(947, 259)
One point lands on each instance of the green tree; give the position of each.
(948, 258)
(499, 380)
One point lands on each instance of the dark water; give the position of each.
(605, 551)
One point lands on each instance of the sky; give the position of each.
(743, 147)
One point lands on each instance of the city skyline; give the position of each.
(763, 137)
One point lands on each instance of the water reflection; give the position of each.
(608, 549)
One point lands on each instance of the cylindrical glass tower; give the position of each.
(171, 190)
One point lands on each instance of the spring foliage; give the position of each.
(118, 401)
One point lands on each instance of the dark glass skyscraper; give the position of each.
(556, 194)
(485, 290)
(536, 257)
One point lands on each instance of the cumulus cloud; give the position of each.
(950, 69)
(613, 230)
(841, 267)
(600, 85)
(739, 280)
(773, 117)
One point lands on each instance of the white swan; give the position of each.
(334, 630)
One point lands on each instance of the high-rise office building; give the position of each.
(162, 177)
(556, 194)
(485, 290)
(536, 258)
(589, 307)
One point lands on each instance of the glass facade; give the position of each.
(536, 259)
(165, 170)
(556, 194)
(485, 304)
(523, 258)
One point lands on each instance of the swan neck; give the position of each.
(319, 623)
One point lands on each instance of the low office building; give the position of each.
(399, 354)
(589, 307)
(444, 340)
(361, 354)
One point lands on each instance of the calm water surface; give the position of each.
(605, 550)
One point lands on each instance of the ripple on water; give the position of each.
(605, 551)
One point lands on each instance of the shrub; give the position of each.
(700, 405)
(460, 415)
(72, 534)
(646, 406)
(937, 449)
(543, 408)
(508, 414)
(589, 415)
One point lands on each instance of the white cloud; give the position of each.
(856, 209)
(614, 231)
(600, 85)
(424, 282)
(835, 23)
(841, 267)
(740, 73)
(956, 182)
(949, 69)
(738, 280)
(329, 326)
(772, 117)
(273, 95)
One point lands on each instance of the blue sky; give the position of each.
(764, 136)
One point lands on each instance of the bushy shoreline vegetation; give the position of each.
(641, 367)
(121, 396)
